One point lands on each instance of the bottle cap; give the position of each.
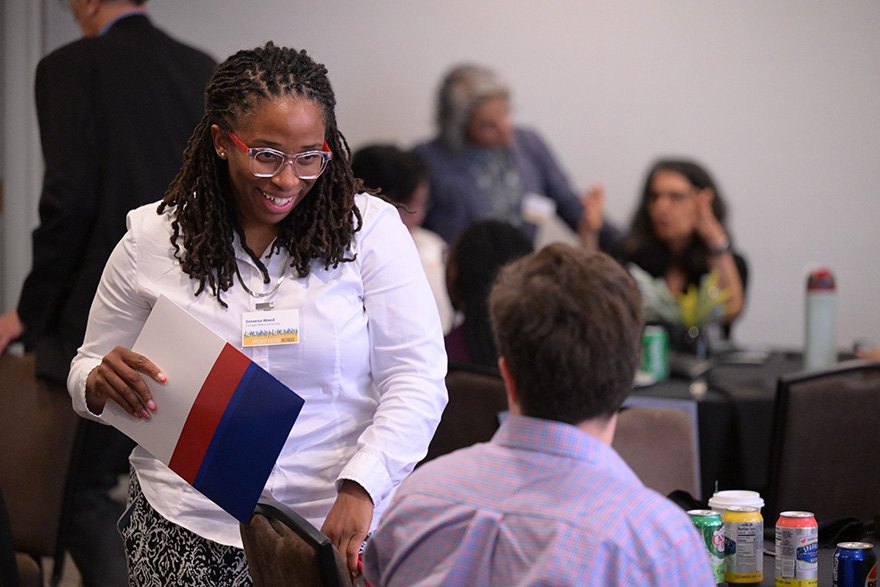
(821, 280)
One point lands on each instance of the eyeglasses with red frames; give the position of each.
(266, 162)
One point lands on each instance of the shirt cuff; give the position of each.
(368, 471)
(77, 389)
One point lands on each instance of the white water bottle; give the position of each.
(821, 320)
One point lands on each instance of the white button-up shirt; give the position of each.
(370, 363)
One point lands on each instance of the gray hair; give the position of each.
(462, 89)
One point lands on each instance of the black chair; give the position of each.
(476, 398)
(825, 456)
(284, 549)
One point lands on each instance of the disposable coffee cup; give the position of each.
(721, 500)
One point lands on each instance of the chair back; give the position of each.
(660, 443)
(8, 564)
(825, 456)
(283, 549)
(476, 398)
(37, 436)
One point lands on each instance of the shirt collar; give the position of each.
(558, 438)
(115, 20)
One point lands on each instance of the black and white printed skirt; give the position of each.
(160, 553)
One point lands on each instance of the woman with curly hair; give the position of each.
(266, 215)
(679, 233)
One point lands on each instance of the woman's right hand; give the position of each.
(870, 354)
(118, 378)
(592, 218)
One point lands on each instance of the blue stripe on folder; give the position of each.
(247, 441)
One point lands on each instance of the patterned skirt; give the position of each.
(160, 553)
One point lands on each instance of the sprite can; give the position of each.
(711, 528)
(655, 352)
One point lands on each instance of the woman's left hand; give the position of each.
(348, 522)
(707, 226)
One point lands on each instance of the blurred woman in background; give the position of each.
(678, 233)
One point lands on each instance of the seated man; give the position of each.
(547, 500)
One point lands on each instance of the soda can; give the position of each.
(743, 545)
(655, 352)
(854, 565)
(711, 528)
(797, 550)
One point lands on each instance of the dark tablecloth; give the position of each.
(735, 415)
(826, 555)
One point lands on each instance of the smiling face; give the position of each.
(672, 207)
(289, 124)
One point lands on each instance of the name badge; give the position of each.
(270, 328)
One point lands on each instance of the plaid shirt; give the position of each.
(543, 503)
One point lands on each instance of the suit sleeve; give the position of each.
(70, 184)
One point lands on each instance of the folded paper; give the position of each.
(221, 419)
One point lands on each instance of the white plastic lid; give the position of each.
(721, 500)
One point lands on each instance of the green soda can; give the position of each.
(655, 352)
(710, 526)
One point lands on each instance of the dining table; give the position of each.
(734, 393)
(825, 564)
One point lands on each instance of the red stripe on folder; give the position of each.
(211, 402)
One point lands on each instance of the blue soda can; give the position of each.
(854, 565)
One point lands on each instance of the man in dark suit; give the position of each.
(115, 110)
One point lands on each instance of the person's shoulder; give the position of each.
(69, 66)
(434, 152)
(372, 207)
(442, 471)
(140, 26)
(379, 217)
(191, 53)
(147, 221)
(428, 145)
(653, 515)
(69, 55)
(427, 238)
(528, 138)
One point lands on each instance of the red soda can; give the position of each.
(797, 550)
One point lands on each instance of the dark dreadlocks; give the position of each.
(200, 198)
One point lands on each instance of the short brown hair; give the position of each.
(569, 323)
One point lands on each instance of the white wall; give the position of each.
(31, 29)
(780, 99)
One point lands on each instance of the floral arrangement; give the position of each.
(692, 309)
